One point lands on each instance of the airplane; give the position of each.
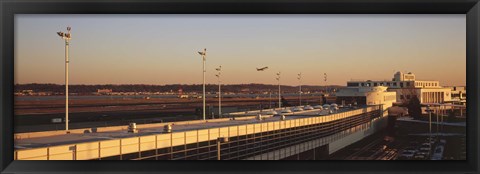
(262, 69)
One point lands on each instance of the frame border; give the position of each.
(9, 8)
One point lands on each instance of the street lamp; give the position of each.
(66, 36)
(300, 91)
(203, 54)
(279, 99)
(220, 140)
(325, 80)
(219, 70)
(429, 120)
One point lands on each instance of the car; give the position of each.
(318, 107)
(406, 155)
(419, 156)
(426, 146)
(286, 111)
(271, 113)
(438, 153)
(308, 108)
(334, 106)
(296, 109)
(431, 140)
(410, 149)
(326, 106)
(425, 153)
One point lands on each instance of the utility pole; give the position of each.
(325, 80)
(279, 95)
(219, 70)
(300, 90)
(66, 36)
(203, 54)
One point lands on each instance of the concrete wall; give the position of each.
(373, 127)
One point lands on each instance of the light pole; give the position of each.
(436, 112)
(220, 140)
(219, 70)
(279, 98)
(325, 80)
(270, 98)
(66, 36)
(300, 86)
(203, 54)
(429, 120)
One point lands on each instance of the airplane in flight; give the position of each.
(262, 69)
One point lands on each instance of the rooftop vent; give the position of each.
(132, 128)
(167, 128)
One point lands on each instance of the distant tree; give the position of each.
(324, 99)
(414, 107)
(285, 103)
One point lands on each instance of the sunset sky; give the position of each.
(162, 49)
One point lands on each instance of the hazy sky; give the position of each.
(162, 49)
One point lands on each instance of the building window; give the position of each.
(408, 83)
(401, 97)
(401, 85)
(408, 97)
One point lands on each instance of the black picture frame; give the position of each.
(9, 8)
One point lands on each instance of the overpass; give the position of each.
(301, 135)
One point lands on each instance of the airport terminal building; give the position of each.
(406, 86)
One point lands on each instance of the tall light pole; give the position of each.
(203, 54)
(325, 80)
(219, 70)
(429, 120)
(300, 90)
(66, 36)
(279, 98)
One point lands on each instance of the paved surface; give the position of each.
(80, 138)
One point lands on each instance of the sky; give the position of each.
(162, 49)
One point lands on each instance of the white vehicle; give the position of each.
(57, 120)
(419, 156)
(424, 152)
(296, 109)
(334, 106)
(286, 111)
(426, 147)
(406, 155)
(438, 153)
(410, 149)
(271, 113)
(431, 140)
(308, 108)
(326, 106)
(318, 107)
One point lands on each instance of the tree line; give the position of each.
(236, 88)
